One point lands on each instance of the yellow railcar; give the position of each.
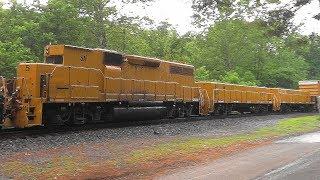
(225, 98)
(312, 87)
(297, 100)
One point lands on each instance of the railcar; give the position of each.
(225, 98)
(288, 100)
(313, 87)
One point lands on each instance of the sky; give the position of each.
(179, 12)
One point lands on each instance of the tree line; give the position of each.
(266, 50)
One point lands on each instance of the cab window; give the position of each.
(54, 59)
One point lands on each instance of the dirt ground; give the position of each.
(100, 161)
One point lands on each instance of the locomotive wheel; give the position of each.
(179, 112)
(220, 111)
(107, 115)
(170, 113)
(97, 114)
(59, 115)
(188, 112)
(79, 116)
(84, 114)
(64, 116)
(170, 110)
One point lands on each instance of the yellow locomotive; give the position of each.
(80, 85)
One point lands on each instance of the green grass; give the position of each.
(177, 147)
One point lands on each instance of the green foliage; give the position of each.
(232, 45)
(11, 54)
(312, 55)
(234, 78)
(276, 14)
(232, 50)
(284, 68)
(21, 24)
(202, 74)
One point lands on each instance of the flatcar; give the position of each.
(225, 98)
(312, 87)
(78, 85)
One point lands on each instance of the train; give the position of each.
(77, 85)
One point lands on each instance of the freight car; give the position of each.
(225, 98)
(313, 88)
(78, 85)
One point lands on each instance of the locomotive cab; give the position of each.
(67, 55)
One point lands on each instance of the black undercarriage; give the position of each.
(95, 112)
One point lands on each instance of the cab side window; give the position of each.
(54, 59)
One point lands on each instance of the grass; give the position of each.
(182, 147)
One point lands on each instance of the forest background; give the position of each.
(250, 42)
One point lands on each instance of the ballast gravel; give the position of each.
(149, 133)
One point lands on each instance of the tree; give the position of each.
(128, 37)
(234, 78)
(242, 52)
(21, 24)
(82, 22)
(280, 16)
(234, 45)
(11, 54)
(312, 56)
(202, 74)
(263, 51)
(284, 68)
(308, 48)
(30, 27)
(221, 9)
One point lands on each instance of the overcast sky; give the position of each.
(179, 12)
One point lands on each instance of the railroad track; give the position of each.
(59, 130)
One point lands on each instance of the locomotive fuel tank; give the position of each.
(139, 113)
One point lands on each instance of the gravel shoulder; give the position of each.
(73, 154)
